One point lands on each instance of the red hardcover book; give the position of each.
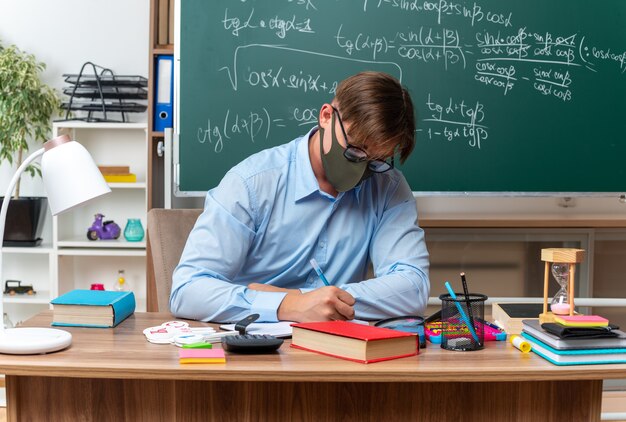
(356, 342)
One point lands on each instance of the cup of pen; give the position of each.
(460, 326)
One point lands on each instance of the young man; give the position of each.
(332, 195)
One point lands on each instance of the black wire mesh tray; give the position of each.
(110, 107)
(118, 93)
(106, 80)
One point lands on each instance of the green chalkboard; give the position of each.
(511, 96)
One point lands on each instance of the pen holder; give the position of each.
(456, 315)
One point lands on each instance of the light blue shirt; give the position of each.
(268, 218)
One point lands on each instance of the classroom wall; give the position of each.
(66, 33)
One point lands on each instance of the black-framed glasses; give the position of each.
(357, 155)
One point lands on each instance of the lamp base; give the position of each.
(31, 341)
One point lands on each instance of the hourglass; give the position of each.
(560, 304)
(563, 269)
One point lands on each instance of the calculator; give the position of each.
(251, 343)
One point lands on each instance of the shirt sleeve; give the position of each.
(202, 287)
(400, 259)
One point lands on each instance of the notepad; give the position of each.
(201, 356)
(581, 320)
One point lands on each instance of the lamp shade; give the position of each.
(70, 175)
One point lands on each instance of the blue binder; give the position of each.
(164, 93)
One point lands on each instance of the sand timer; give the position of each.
(561, 263)
(560, 304)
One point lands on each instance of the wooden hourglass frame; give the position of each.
(568, 256)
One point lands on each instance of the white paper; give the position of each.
(276, 329)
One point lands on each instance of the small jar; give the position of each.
(133, 232)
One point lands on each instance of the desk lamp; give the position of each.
(70, 179)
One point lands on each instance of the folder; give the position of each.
(164, 93)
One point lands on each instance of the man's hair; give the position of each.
(380, 112)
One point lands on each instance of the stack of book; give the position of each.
(117, 174)
(576, 344)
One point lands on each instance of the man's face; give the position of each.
(357, 152)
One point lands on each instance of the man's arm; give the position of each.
(214, 253)
(398, 252)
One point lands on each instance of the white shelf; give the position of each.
(44, 248)
(138, 185)
(83, 242)
(42, 297)
(100, 252)
(79, 124)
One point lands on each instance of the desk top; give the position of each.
(123, 352)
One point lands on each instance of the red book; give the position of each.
(356, 342)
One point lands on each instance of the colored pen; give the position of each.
(319, 272)
(461, 312)
(467, 299)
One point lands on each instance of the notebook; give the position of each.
(533, 328)
(576, 357)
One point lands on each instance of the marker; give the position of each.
(200, 345)
(520, 343)
(319, 272)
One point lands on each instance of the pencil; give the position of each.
(467, 299)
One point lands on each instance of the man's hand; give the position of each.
(323, 304)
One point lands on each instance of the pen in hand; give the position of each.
(319, 272)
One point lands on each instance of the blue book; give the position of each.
(576, 357)
(92, 308)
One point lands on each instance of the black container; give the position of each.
(25, 220)
(456, 315)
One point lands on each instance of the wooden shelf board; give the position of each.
(163, 49)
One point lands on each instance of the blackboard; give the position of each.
(510, 96)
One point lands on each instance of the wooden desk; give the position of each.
(115, 374)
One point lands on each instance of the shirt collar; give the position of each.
(306, 183)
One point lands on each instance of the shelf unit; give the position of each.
(67, 259)
(80, 261)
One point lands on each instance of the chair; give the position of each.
(167, 234)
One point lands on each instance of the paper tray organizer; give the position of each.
(96, 89)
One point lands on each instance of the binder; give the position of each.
(164, 93)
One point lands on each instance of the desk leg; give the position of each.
(71, 399)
